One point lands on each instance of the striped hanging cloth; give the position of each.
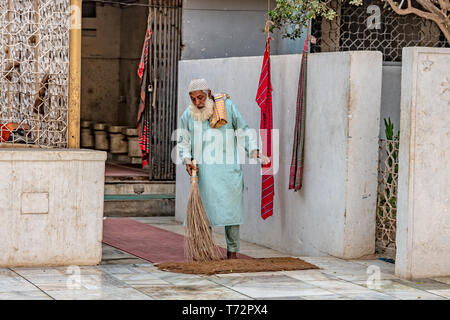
(296, 169)
(143, 119)
(264, 101)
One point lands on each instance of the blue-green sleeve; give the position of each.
(245, 136)
(184, 139)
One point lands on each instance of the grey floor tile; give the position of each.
(303, 275)
(179, 279)
(109, 253)
(90, 280)
(424, 284)
(140, 280)
(246, 274)
(284, 298)
(98, 294)
(326, 297)
(333, 264)
(40, 271)
(363, 276)
(443, 279)
(370, 296)
(396, 285)
(383, 265)
(124, 268)
(202, 292)
(15, 283)
(442, 293)
(270, 286)
(399, 290)
(24, 295)
(341, 287)
(415, 295)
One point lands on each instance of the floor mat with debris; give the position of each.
(237, 265)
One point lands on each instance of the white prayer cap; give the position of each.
(198, 84)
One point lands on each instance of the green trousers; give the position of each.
(232, 238)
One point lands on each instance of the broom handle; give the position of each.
(194, 171)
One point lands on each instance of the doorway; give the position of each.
(113, 35)
(112, 41)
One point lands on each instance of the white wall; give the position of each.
(390, 96)
(232, 28)
(423, 211)
(334, 213)
(51, 207)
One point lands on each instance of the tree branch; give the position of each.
(409, 10)
(443, 4)
(428, 5)
(442, 22)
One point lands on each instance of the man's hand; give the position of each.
(264, 158)
(189, 166)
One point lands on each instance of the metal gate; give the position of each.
(34, 75)
(164, 54)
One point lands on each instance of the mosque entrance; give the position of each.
(161, 105)
(113, 35)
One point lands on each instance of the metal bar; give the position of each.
(74, 76)
(157, 91)
(150, 82)
(171, 92)
(36, 79)
(154, 77)
(158, 167)
(165, 103)
(172, 123)
(178, 56)
(9, 57)
(166, 87)
(173, 109)
(164, 90)
(150, 108)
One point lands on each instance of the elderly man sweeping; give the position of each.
(211, 128)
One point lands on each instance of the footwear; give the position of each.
(231, 255)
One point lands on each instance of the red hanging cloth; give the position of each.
(143, 121)
(264, 101)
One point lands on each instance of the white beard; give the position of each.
(204, 113)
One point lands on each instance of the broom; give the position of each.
(198, 241)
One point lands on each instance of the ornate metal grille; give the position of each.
(34, 79)
(387, 197)
(161, 105)
(372, 27)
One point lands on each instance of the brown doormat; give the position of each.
(237, 266)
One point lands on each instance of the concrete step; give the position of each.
(139, 198)
(132, 187)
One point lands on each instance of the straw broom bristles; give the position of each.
(199, 243)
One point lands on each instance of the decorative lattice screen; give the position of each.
(34, 82)
(387, 197)
(373, 26)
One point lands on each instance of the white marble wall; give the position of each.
(423, 221)
(334, 213)
(51, 207)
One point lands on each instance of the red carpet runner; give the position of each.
(146, 242)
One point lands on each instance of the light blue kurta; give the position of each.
(220, 176)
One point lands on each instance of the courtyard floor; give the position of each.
(124, 276)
